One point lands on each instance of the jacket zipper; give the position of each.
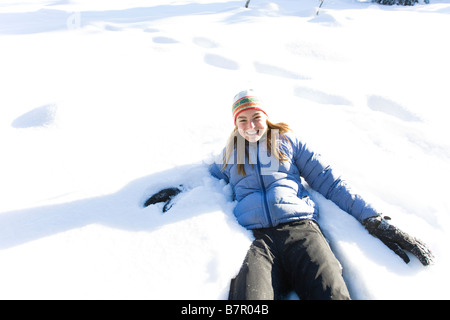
(266, 204)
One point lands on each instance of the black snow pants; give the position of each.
(292, 256)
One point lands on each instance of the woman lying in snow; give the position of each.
(264, 162)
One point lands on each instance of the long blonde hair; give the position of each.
(274, 149)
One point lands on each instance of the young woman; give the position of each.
(264, 163)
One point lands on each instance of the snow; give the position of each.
(104, 103)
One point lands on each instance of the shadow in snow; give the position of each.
(123, 209)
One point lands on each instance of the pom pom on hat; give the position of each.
(246, 100)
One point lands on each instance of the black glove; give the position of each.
(398, 240)
(164, 195)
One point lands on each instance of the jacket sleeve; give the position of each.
(216, 171)
(321, 177)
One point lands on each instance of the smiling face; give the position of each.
(252, 124)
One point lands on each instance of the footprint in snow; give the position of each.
(164, 40)
(321, 97)
(277, 71)
(43, 116)
(205, 43)
(151, 30)
(391, 108)
(221, 62)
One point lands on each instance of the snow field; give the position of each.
(104, 103)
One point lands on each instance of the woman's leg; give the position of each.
(260, 277)
(315, 271)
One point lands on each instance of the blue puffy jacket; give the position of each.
(272, 193)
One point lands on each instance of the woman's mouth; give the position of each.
(252, 132)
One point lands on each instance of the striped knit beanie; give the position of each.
(246, 100)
